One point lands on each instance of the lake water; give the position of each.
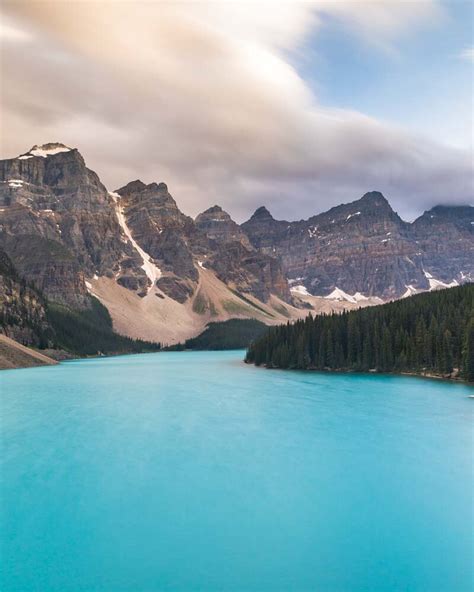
(193, 471)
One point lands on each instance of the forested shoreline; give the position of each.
(431, 333)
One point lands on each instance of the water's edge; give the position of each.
(431, 376)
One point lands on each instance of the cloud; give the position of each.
(203, 96)
(467, 54)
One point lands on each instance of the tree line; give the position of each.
(425, 333)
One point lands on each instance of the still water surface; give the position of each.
(193, 471)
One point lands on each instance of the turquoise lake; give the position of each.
(193, 471)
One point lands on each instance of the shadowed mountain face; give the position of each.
(365, 247)
(62, 230)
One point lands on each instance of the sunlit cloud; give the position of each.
(204, 97)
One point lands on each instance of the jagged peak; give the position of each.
(374, 197)
(133, 187)
(161, 187)
(214, 211)
(261, 213)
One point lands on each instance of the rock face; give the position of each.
(58, 224)
(365, 248)
(237, 262)
(22, 309)
(445, 236)
(165, 233)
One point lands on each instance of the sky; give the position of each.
(298, 106)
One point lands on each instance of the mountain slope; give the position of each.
(15, 355)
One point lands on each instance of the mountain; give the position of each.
(58, 224)
(364, 249)
(164, 276)
(161, 275)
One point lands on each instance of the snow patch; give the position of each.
(25, 157)
(45, 152)
(152, 271)
(201, 264)
(352, 215)
(15, 182)
(338, 294)
(300, 289)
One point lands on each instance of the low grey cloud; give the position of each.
(202, 96)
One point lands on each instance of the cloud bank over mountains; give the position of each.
(205, 96)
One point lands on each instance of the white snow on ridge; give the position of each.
(338, 294)
(152, 271)
(45, 152)
(300, 289)
(25, 157)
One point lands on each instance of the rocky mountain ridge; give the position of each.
(364, 249)
(164, 276)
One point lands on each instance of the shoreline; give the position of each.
(430, 376)
(70, 357)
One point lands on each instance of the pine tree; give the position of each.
(434, 332)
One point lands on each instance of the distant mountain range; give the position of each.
(164, 276)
